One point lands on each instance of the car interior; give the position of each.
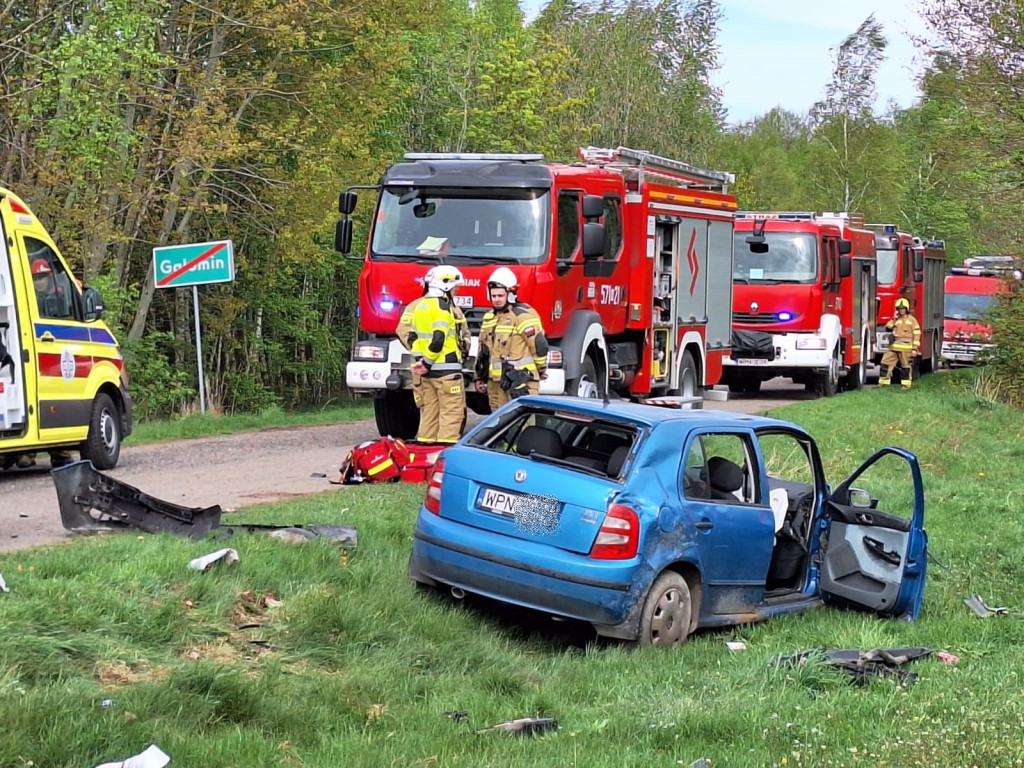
(594, 446)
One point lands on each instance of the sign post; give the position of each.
(195, 264)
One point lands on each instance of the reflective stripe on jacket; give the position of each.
(906, 333)
(514, 335)
(434, 335)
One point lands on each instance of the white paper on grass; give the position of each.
(3, 584)
(151, 757)
(203, 563)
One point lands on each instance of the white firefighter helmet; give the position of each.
(442, 279)
(505, 278)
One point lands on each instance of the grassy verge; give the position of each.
(110, 644)
(205, 425)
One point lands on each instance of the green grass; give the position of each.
(359, 669)
(206, 425)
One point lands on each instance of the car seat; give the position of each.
(607, 443)
(541, 440)
(618, 458)
(725, 478)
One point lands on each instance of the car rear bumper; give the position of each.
(521, 572)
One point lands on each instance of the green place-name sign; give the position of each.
(177, 266)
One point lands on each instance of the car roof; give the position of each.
(652, 415)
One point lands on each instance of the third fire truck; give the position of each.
(804, 301)
(911, 268)
(625, 255)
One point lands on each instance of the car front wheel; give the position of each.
(667, 612)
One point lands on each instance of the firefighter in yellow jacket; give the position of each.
(513, 351)
(906, 343)
(433, 329)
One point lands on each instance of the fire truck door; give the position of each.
(691, 272)
(665, 311)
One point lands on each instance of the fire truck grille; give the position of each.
(474, 317)
(745, 318)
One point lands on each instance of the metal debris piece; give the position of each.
(524, 726)
(861, 665)
(91, 501)
(976, 604)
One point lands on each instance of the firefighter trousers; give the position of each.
(442, 404)
(891, 358)
(497, 397)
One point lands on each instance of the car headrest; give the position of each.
(724, 475)
(617, 459)
(605, 442)
(540, 440)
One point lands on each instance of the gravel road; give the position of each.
(234, 471)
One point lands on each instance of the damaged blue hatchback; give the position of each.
(650, 523)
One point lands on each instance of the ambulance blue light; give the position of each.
(784, 316)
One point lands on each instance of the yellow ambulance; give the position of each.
(62, 382)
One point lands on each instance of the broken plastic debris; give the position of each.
(700, 762)
(976, 604)
(203, 563)
(525, 726)
(735, 645)
(3, 584)
(947, 657)
(151, 757)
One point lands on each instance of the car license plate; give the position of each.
(501, 502)
(751, 361)
(466, 302)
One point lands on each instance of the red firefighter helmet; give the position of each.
(40, 267)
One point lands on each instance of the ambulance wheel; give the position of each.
(103, 444)
(396, 414)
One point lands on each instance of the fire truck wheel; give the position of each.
(587, 384)
(397, 415)
(827, 384)
(688, 380)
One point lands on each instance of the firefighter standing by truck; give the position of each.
(513, 348)
(906, 343)
(433, 329)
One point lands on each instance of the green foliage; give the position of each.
(159, 389)
(1003, 375)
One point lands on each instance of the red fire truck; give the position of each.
(971, 291)
(804, 300)
(626, 256)
(914, 269)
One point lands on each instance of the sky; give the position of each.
(779, 52)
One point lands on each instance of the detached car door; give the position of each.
(873, 542)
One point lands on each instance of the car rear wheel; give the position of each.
(667, 613)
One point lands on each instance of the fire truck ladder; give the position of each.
(644, 163)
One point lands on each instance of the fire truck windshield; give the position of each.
(792, 257)
(967, 306)
(888, 261)
(461, 226)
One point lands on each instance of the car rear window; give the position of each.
(577, 441)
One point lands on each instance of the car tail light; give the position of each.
(619, 537)
(433, 499)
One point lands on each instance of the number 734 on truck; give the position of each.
(626, 256)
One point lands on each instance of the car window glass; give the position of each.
(695, 485)
(728, 458)
(785, 458)
(54, 290)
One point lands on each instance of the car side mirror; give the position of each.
(918, 277)
(860, 498)
(343, 236)
(347, 203)
(92, 305)
(593, 206)
(918, 261)
(845, 264)
(845, 246)
(593, 240)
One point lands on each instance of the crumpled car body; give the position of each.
(650, 523)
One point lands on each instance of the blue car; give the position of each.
(651, 522)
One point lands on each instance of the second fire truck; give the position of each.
(804, 301)
(626, 256)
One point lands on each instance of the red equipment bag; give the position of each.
(370, 462)
(389, 460)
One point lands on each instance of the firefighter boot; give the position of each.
(905, 377)
(883, 376)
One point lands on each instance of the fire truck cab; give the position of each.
(911, 268)
(804, 296)
(626, 256)
(971, 291)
